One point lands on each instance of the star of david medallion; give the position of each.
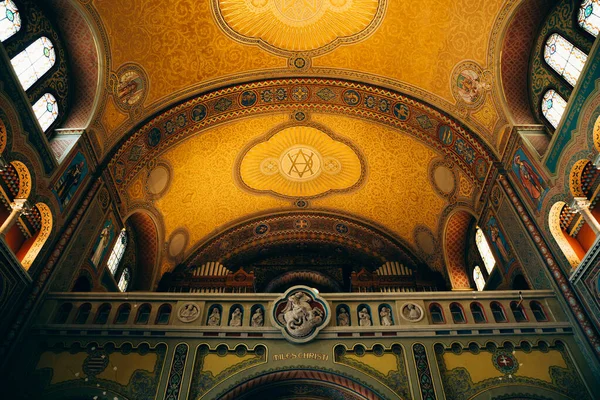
(301, 163)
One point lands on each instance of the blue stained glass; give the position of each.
(10, 21)
(589, 16)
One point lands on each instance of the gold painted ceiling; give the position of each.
(231, 169)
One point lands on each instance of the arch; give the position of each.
(553, 107)
(478, 313)
(571, 249)
(316, 279)
(260, 386)
(391, 313)
(101, 317)
(518, 311)
(25, 181)
(576, 178)
(596, 134)
(232, 309)
(338, 311)
(143, 315)
(145, 232)
(34, 62)
(211, 309)
(123, 313)
(589, 16)
(163, 315)
(62, 315)
(498, 312)
(82, 314)
(564, 58)
(520, 283)
(455, 246)
(46, 111)
(538, 311)
(437, 313)
(10, 20)
(458, 313)
(83, 282)
(38, 241)
(363, 321)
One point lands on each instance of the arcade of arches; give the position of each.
(300, 199)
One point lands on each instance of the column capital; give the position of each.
(580, 203)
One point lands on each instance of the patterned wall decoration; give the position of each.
(386, 365)
(131, 87)
(532, 183)
(71, 180)
(455, 236)
(417, 118)
(424, 372)
(213, 366)
(466, 371)
(176, 374)
(312, 27)
(469, 84)
(124, 370)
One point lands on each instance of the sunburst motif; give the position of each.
(298, 25)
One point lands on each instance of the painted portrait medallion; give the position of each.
(132, 87)
(469, 84)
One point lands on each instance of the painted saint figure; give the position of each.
(236, 317)
(343, 318)
(413, 312)
(68, 181)
(364, 317)
(99, 252)
(529, 178)
(386, 316)
(257, 318)
(497, 239)
(215, 318)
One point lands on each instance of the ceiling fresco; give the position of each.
(413, 45)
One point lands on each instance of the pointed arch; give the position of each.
(24, 179)
(571, 249)
(40, 238)
(145, 234)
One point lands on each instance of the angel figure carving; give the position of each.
(298, 316)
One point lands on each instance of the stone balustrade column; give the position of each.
(18, 206)
(582, 206)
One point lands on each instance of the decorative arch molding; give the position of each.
(560, 237)
(576, 178)
(148, 250)
(288, 279)
(427, 124)
(25, 181)
(314, 227)
(455, 243)
(350, 387)
(42, 235)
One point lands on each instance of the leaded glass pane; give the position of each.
(117, 252)
(46, 110)
(124, 280)
(33, 62)
(10, 19)
(564, 58)
(484, 250)
(553, 107)
(478, 278)
(589, 16)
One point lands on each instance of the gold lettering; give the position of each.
(300, 355)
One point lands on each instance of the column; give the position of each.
(582, 206)
(18, 206)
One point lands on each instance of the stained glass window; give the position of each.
(124, 280)
(564, 58)
(478, 278)
(553, 107)
(117, 252)
(10, 20)
(46, 110)
(33, 62)
(484, 250)
(589, 16)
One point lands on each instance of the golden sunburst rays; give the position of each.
(298, 25)
(300, 161)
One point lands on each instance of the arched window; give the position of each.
(564, 58)
(164, 313)
(437, 315)
(538, 311)
(117, 253)
(123, 314)
(498, 312)
(518, 312)
(484, 250)
(553, 107)
(46, 111)
(478, 313)
(83, 313)
(124, 279)
(589, 16)
(33, 62)
(478, 278)
(143, 314)
(458, 315)
(102, 314)
(10, 20)
(63, 313)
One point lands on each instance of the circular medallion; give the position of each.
(401, 111)
(301, 203)
(301, 224)
(248, 98)
(505, 362)
(341, 228)
(132, 86)
(300, 163)
(158, 180)
(445, 134)
(188, 312)
(154, 137)
(199, 113)
(469, 84)
(261, 229)
(177, 244)
(269, 166)
(351, 97)
(412, 312)
(331, 165)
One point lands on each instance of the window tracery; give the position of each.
(484, 250)
(589, 16)
(553, 107)
(10, 19)
(566, 59)
(117, 253)
(46, 111)
(33, 62)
